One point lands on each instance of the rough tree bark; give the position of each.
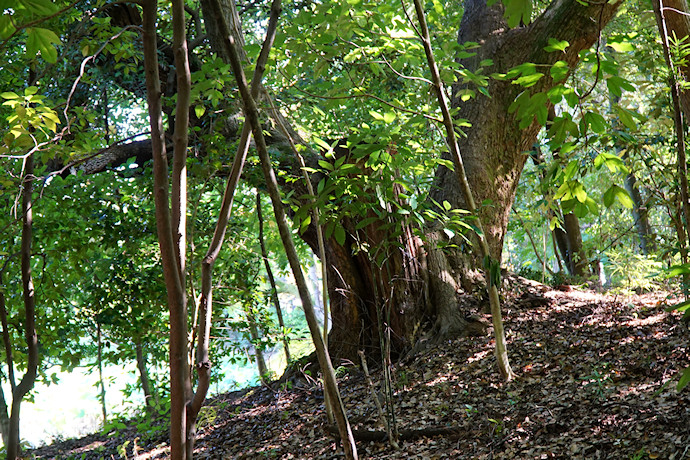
(494, 150)
(672, 20)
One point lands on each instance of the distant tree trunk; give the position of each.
(258, 352)
(29, 378)
(578, 258)
(99, 339)
(271, 279)
(567, 237)
(645, 234)
(639, 210)
(150, 396)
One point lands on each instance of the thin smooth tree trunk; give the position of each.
(330, 384)
(678, 96)
(203, 364)
(271, 279)
(261, 366)
(4, 409)
(29, 378)
(150, 397)
(180, 385)
(101, 381)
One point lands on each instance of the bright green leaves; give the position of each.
(516, 11)
(574, 198)
(556, 45)
(525, 75)
(571, 189)
(559, 71)
(617, 193)
(29, 115)
(19, 13)
(42, 42)
(37, 7)
(613, 162)
(387, 117)
(621, 43)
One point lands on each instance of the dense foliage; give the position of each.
(600, 199)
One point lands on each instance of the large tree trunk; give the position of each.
(494, 150)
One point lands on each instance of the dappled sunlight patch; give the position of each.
(88, 448)
(654, 319)
(480, 355)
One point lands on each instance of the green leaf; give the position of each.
(613, 162)
(627, 118)
(620, 43)
(9, 95)
(199, 110)
(571, 169)
(617, 84)
(39, 7)
(305, 223)
(559, 71)
(560, 129)
(592, 205)
(579, 192)
(596, 122)
(389, 117)
(556, 45)
(527, 81)
(326, 165)
(517, 11)
(617, 193)
(375, 115)
(677, 270)
(684, 379)
(6, 26)
(339, 233)
(42, 40)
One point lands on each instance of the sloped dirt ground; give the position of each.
(596, 379)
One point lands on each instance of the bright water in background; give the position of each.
(71, 408)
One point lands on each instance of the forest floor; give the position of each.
(597, 379)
